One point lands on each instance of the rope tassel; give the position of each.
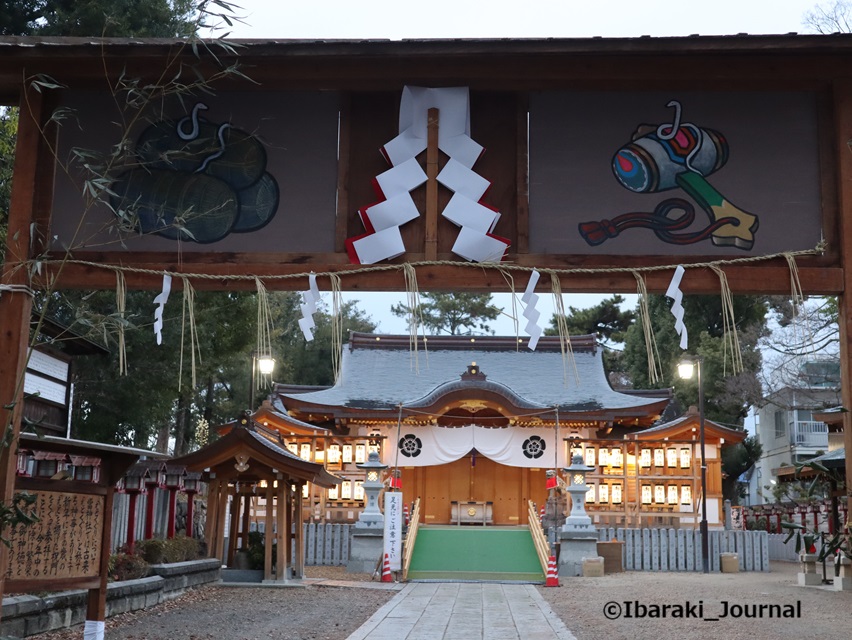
(730, 338)
(336, 325)
(562, 327)
(654, 373)
(414, 318)
(188, 316)
(121, 306)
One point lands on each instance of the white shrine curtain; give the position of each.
(513, 446)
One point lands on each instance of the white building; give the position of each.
(788, 428)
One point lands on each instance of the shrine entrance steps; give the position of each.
(449, 553)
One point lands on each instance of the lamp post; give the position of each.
(263, 363)
(685, 368)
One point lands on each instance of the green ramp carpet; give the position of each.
(475, 553)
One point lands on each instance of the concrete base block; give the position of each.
(842, 583)
(572, 552)
(809, 579)
(729, 562)
(365, 553)
(593, 567)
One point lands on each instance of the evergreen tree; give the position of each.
(453, 313)
(123, 18)
(727, 396)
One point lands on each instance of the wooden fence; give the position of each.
(680, 549)
(325, 544)
(121, 510)
(778, 550)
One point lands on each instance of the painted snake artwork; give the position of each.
(672, 156)
(197, 181)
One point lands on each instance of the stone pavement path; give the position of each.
(449, 611)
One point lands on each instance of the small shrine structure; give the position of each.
(251, 461)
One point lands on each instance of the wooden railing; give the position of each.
(410, 537)
(542, 547)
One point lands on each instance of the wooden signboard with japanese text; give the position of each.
(65, 544)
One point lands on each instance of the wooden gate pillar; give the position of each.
(843, 129)
(29, 215)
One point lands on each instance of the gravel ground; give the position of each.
(224, 613)
(332, 613)
(581, 605)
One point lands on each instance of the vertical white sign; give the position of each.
(393, 529)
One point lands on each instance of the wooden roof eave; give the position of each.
(239, 440)
(690, 426)
(390, 412)
(281, 423)
(115, 460)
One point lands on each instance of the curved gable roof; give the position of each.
(259, 447)
(380, 372)
(685, 425)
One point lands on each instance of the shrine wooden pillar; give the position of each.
(220, 520)
(211, 524)
(298, 545)
(843, 133)
(96, 598)
(234, 530)
(29, 216)
(246, 522)
(282, 530)
(269, 531)
(131, 521)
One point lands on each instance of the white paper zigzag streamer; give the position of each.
(310, 298)
(676, 294)
(530, 299)
(476, 221)
(160, 301)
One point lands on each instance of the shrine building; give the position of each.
(473, 425)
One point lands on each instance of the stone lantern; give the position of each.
(578, 521)
(368, 534)
(371, 517)
(578, 540)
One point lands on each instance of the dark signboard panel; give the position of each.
(609, 176)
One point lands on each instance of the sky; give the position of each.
(395, 20)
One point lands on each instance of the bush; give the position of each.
(257, 549)
(153, 550)
(127, 566)
(179, 549)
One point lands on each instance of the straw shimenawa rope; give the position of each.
(377, 268)
(415, 320)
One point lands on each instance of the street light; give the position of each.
(263, 363)
(685, 368)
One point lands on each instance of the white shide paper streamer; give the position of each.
(676, 294)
